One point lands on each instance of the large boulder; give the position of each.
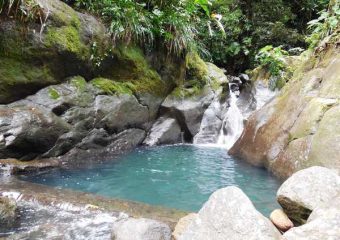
(140, 229)
(323, 223)
(33, 56)
(116, 113)
(299, 128)
(28, 131)
(306, 190)
(164, 131)
(8, 211)
(229, 214)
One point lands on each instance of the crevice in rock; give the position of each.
(172, 112)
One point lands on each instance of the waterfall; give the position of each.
(222, 123)
(232, 125)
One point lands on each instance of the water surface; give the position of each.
(180, 176)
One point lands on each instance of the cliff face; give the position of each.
(301, 127)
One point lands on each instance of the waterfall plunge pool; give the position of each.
(178, 176)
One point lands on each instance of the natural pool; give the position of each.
(180, 176)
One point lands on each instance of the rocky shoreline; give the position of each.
(312, 204)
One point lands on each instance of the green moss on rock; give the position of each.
(111, 87)
(17, 77)
(53, 93)
(67, 39)
(79, 82)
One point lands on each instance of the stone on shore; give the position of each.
(281, 220)
(140, 229)
(229, 214)
(306, 190)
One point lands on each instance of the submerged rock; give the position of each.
(306, 190)
(164, 131)
(281, 220)
(140, 229)
(323, 223)
(14, 166)
(183, 224)
(8, 211)
(229, 214)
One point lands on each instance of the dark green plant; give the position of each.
(324, 25)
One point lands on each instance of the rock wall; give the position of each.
(299, 128)
(66, 91)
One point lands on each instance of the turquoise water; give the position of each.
(181, 176)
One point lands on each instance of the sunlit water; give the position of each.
(181, 176)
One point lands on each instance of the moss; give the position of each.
(79, 82)
(66, 39)
(18, 77)
(111, 87)
(62, 14)
(53, 93)
(197, 69)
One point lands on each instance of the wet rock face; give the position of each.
(8, 212)
(299, 128)
(189, 111)
(164, 131)
(306, 190)
(140, 229)
(229, 214)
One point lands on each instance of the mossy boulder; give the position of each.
(129, 66)
(33, 56)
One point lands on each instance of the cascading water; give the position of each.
(232, 125)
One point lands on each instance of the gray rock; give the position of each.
(244, 78)
(117, 113)
(189, 111)
(229, 214)
(140, 229)
(211, 123)
(307, 189)
(8, 211)
(323, 223)
(164, 131)
(25, 130)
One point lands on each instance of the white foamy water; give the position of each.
(232, 125)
